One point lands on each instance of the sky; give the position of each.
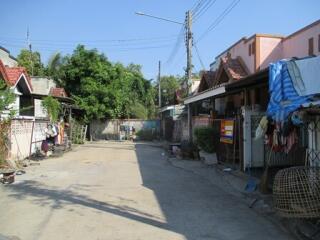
(113, 28)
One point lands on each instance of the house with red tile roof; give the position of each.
(18, 80)
(58, 92)
(45, 86)
(28, 97)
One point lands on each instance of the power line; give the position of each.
(219, 19)
(198, 54)
(176, 46)
(72, 48)
(204, 5)
(204, 10)
(201, 5)
(196, 6)
(164, 38)
(120, 44)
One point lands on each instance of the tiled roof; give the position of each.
(58, 92)
(207, 80)
(234, 68)
(12, 74)
(3, 71)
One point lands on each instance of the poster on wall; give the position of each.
(226, 131)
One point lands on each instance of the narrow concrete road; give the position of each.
(123, 191)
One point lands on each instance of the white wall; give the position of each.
(109, 129)
(195, 85)
(21, 135)
(7, 59)
(42, 85)
(39, 111)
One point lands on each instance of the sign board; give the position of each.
(227, 131)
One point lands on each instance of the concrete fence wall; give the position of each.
(26, 136)
(110, 129)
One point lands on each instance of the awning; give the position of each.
(206, 94)
(166, 108)
(253, 80)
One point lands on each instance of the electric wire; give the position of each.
(198, 54)
(203, 10)
(123, 49)
(219, 19)
(204, 6)
(124, 44)
(197, 5)
(59, 41)
(176, 47)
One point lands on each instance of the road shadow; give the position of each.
(192, 207)
(44, 195)
(196, 208)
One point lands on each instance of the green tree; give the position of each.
(7, 97)
(169, 85)
(104, 89)
(52, 106)
(53, 68)
(32, 62)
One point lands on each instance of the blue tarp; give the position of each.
(284, 99)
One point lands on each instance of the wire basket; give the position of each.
(296, 192)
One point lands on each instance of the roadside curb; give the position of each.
(233, 184)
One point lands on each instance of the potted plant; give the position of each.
(204, 137)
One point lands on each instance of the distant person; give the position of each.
(133, 130)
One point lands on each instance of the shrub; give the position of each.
(52, 106)
(205, 138)
(147, 134)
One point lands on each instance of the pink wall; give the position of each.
(297, 45)
(242, 50)
(270, 51)
(273, 48)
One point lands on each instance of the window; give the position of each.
(319, 43)
(310, 50)
(253, 47)
(250, 49)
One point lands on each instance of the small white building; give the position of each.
(7, 59)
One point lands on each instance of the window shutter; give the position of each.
(310, 43)
(253, 48)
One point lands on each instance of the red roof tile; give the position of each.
(234, 68)
(207, 80)
(12, 74)
(3, 71)
(58, 92)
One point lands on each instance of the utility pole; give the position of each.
(189, 43)
(30, 51)
(159, 82)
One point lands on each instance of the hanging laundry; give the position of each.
(291, 140)
(262, 128)
(298, 118)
